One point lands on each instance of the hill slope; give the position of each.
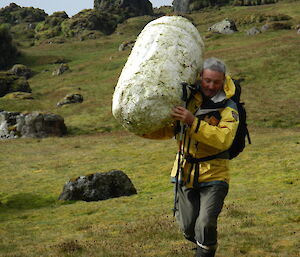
(261, 214)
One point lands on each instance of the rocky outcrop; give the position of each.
(182, 6)
(98, 186)
(132, 7)
(11, 83)
(35, 125)
(61, 69)
(21, 71)
(89, 20)
(70, 99)
(224, 27)
(14, 14)
(126, 45)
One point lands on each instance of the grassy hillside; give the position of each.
(261, 214)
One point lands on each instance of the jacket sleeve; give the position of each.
(220, 136)
(163, 133)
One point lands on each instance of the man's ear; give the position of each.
(199, 76)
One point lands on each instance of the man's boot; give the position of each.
(202, 252)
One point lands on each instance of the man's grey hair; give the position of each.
(214, 64)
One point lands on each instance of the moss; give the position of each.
(11, 83)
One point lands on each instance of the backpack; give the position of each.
(239, 141)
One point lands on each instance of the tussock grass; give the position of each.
(261, 213)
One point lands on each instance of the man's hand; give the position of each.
(182, 114)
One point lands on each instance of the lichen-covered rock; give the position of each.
(21, 71)
(98, 186)
(8, 128)
(226, 26)
(35, 124)
(61, 69)
(126, 45)
(70, 99)
(167, 52)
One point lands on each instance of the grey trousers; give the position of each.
(198, 211)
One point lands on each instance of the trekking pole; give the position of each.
(184, 98)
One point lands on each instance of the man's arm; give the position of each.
(163, 133)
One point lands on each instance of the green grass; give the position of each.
(260, 217)
(261, 213)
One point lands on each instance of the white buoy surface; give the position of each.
(167, 52)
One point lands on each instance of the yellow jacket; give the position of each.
(205, 137)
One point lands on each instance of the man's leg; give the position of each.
(187, 211)
(211, 203)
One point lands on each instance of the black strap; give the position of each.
(184, 92)
(222, 155)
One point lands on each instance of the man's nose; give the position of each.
(211, 85)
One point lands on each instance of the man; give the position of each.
(211, 121)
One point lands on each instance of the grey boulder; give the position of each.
(226, 26)
(34, 125)
(253, 31)
(21, 71)
(70, 99)
(98, 186)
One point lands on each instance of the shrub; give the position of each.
(15, 14)
(8, 51)
(51, 27)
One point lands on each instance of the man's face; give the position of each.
(212, 82)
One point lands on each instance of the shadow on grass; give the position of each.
(26, 201)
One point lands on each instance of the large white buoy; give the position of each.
(167, 52)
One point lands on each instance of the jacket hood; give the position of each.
(229, 87)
